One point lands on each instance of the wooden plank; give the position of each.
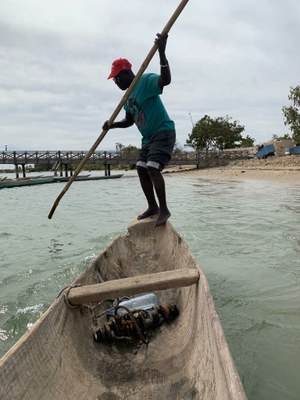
(133, 285)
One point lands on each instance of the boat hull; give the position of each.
(87, 178)
(187, 359)
(11, 183)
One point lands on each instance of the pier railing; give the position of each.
(67, 160)
(105, 157)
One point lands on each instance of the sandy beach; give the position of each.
(277, 169)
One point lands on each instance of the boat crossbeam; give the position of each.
(133, 285)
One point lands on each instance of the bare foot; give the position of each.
(162, 218)
(148, 213)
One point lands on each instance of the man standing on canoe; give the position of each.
(145, 108)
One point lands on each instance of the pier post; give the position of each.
(23, 171)
(16, 164)
(17, 171)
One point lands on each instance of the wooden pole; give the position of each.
(133, 285)
(143, 67)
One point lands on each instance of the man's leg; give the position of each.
(147, 186)
(159, 185)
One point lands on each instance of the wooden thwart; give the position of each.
(133, 285)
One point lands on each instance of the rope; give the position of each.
(65, 291)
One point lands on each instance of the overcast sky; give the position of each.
(236, 58)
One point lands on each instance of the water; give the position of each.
(245, 235)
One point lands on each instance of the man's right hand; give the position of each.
(106, 126)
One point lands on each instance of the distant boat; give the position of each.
(294, 150)
(86, 177)
(266, 151)
(11, 183)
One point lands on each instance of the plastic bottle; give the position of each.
(143, 302)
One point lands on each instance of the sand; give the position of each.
(284, 169)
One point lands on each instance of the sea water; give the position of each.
(244, 234)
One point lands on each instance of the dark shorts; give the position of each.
(158, 152)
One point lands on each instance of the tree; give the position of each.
(130, 151)
(286, 136)
(292, 113)
(177, 151)
(212, 133)
(247, 141)
(119, 147)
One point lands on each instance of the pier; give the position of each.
(62, 161)
(65, 161)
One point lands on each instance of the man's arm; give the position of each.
(165, 73)
(124, 123)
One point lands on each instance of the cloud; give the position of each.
(238, 59)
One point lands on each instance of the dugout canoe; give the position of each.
(186, 359)
(12, 183)
(87, 178)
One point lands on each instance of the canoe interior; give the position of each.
(188, 359)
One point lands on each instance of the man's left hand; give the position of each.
(161, 41)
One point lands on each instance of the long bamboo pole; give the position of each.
(143, 67)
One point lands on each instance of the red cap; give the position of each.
(119, 65)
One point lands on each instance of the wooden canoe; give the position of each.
(186, 359)
(12, 183)
(87, 178)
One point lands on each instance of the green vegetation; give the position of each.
(130, 151)
(284, 137)
(292, 113)
(247, 142)
(217, 133)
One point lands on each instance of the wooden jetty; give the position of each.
(64, 161)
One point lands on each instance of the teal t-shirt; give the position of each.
(147, 109)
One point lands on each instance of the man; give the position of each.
(145, 108)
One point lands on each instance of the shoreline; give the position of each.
(278, 169)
